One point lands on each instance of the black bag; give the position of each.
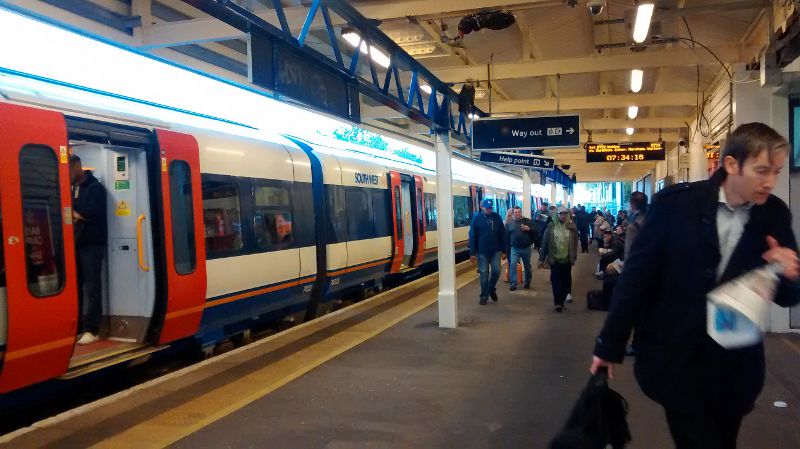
(598, 419)
(597, 300)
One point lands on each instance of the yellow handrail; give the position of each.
(139, 243)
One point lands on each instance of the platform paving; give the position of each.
(506, 378)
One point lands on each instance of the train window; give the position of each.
(420, 213)
(182, 213)
(337, 214)
(461, 211)
(381, 212)
(432, 215)
(398, 210)
(273, 218)
(41, 215)
(222, 218)
(359, 214)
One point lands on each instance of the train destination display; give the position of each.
(625, 152)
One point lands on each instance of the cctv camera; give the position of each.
(596, 6)
(682, 143)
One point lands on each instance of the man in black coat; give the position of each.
(698, 236)
(91, 236)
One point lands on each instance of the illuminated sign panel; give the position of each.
(625, 152)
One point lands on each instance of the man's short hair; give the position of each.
(639, 200)
(517, 207)
(750, 140)
(74, 159)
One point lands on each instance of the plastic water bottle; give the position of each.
(738, 310)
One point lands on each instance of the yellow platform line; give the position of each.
(169, 427)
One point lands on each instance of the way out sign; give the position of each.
(526, 133)
(519, 160)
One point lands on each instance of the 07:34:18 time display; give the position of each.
(624, 157)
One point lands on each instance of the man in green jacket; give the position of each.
(560, 251)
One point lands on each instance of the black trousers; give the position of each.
(561, 278)
(707, 431)
(90, 285)
(584, 238)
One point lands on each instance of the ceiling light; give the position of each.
(643, 16)
(629, 131)
(379, 57)
(354, 39)
(637, 77)
(472, 116)
(426, 88)
(633, 111)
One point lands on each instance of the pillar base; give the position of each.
(448, 314)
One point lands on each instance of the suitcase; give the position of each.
(597, 300)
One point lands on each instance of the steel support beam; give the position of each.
(677, 57)
(592, 102)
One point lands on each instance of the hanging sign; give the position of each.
(519, 133)
(625, 152)
(519, 160)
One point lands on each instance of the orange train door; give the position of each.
(40, 278)
(419, 222)
(185, 258)
(395, 186)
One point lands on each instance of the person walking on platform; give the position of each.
(91, 235)
(522, 234)
(559, 252)
(487, 243)
(638, 204)
(509, 219)
(728, 225)
(584, 221)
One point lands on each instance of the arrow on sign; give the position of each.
(571, 131)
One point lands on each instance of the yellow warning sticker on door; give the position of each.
(163, 164)
(122, 209)
(64, 155)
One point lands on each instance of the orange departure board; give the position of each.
(625, 152)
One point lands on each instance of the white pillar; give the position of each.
(448, 305)
(526, 193)
(552, 193)
(698, 165)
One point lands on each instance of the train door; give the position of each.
(185, 258)
(408, 221)
(41, 308)
(419, 221)
(129, 289)
(398, 240)
(476, 194)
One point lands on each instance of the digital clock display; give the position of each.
(625, 152)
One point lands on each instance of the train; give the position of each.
(209, 234)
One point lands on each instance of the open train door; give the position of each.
(419, 221)
(39, 294)
(476, 193)
(185, 251)
(395, 189)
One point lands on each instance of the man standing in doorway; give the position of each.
(522, 234)
(727, 225)
(487, 241)
(560, 251)
(91, 236)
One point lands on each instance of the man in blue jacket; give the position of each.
(487, 243)
(696, 237)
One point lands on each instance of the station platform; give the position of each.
(381, 374)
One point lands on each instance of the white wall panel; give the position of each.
(234, 274)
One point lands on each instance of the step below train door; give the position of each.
(398, 240)
(39, 299)
(419, 221)
(185, 256)
(129, 282)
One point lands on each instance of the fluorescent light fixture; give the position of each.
(642, 26)
(426, 88)
(472, 116)
(354, 40)
(633, 111)
(637, 78)
(379, 57)
(629, 131)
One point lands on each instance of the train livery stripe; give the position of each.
(359, 267)
(180, 313)
(436, 248)
(260, 291)
(38, 349)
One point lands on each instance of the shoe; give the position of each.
(512, 288)
(483, 301)
(87, 338)
(569, 297)
(527, 286)
(559, 309)
(494, 296)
